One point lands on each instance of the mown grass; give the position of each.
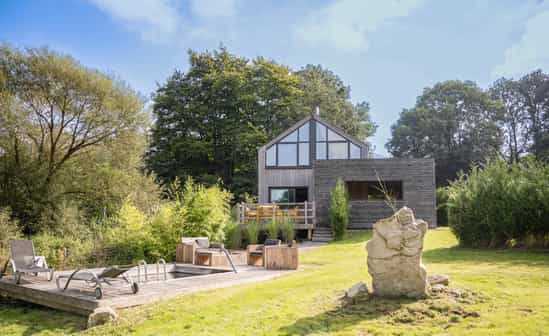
(513, 287)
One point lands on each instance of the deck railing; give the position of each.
(303, 214)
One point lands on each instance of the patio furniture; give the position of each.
(256, 252)
(111, 276)
(185, 250)
(23, 261)
(281, 257)
(209, 254)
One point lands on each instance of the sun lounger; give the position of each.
(110, 276)
(24, 261)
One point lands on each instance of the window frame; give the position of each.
(369, 184)
(294, 188)
(297, 151)
(326, 143)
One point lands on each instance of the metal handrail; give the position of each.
(228, 255)
(163, 262)
(139, 264)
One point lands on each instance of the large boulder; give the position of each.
(394, 256)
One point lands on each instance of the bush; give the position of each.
(9, 229)
(206, 211)
(501, 204)
(442, 210)
(252, 232)
(233, 235)
(339, 209)
(272, 229)
(288, 229)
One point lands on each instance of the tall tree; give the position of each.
(53, 111)
(514, 118)
(211, 119)
(526, 117)
(323, 88)
(455, 122)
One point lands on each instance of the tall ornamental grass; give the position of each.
(501, 204)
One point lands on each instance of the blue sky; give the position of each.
(387, 50)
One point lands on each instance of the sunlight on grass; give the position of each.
(307, 302)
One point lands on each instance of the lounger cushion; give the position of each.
(202, 242)
(271, 242)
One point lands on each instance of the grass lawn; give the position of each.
(509, 295)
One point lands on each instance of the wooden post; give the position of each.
(305, 210)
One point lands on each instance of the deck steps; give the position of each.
(322, 234)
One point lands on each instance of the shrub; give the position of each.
(442, 210)
(500, 203)
(272, 229)
(9, 229)
(339, 209)
(288, 229)
(252, 232)
(206, 211)
(233, 235)
(166, 227)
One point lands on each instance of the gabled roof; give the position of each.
(298, 124)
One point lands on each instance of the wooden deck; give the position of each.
(303, 214)
(80, 300)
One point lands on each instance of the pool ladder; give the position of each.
(143, 264)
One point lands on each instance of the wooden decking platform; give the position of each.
(79, 299)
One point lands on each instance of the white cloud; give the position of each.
(530, 52)
(213, 8)
(155, 20)
(345, 24)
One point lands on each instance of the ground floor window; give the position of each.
(373, 190)
(288, 195)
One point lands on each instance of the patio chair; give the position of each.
(23, 261)
(110, 276)
(211, 254)
(256, 252)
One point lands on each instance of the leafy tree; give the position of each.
(526, 121)
(56, 118)
(454, 122)
(322, 88)
(514, 118)
(210, 120)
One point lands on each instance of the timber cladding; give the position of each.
(418, 188)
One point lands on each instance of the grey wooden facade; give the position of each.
(418, 186)
(319, 177)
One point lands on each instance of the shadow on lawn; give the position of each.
(343, 316)
(29, 319)
(502, 256)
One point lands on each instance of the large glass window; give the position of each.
(354, 151)
(333, 136)
(374, 190)
(337, 150)
(271, 156)
(292, 137)
(332, 146)
(287, 155)
(304, 154)
(292, 150)
(288, 195)
(321, 151)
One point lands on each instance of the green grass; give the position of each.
(508, 290)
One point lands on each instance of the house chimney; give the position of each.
(317, 111)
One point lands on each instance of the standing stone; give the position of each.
(394, 256)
